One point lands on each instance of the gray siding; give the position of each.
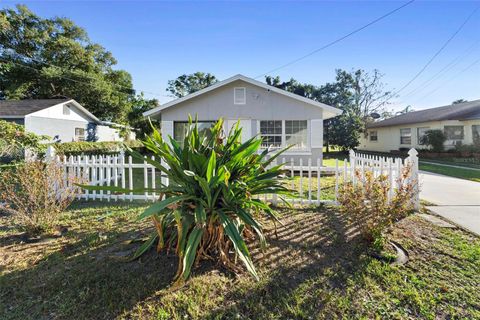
(261, 104)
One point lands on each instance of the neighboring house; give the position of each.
(460, 123)
(64, 120)
(280, 117)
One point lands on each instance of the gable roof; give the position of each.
(331, 111)
(22, 108)
(460, 111)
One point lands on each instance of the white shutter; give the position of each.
(167, 129)
(316, 133)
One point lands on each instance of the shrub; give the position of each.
(36, 193)
(212, 201)
(14, 141)
(94, 148)
(435, 139)
(367, 202)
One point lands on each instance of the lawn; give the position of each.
(315, 267)
(473, 175)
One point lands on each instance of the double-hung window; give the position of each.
(476, 133)
(282, 133)
(421, 132)
(79, 134)
(454, 132)
(374, 136)
(406, 136)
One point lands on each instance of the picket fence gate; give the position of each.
(314, 183)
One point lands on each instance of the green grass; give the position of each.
(314, 268)
(461, 162)
(467, 174)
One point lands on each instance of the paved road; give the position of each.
(456, 199)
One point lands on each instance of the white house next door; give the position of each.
(245, 124)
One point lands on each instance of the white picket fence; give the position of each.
(314, 183)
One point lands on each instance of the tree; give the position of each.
(189, 83)
(459, 101)
(55, 58)
(357, 93)
(136, 118)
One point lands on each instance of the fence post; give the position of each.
(413, 161)
(352, 166)
(50, 154)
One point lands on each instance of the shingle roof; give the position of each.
(460, 111)
(21, 108)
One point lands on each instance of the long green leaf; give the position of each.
(191, 250)
(145, 246)
(159, 206)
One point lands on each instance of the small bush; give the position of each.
(435, 139)
(367, 202)
(36, 193)
(95, 148)
(14, 141)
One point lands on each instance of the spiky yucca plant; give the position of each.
(211, 203)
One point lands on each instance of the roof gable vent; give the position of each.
(239, 95)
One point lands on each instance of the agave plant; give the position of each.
(211, 203)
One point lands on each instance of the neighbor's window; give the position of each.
(454, 132)
(421, 133)
(66, 110)
(239, 96)
(296, 133)
(476, 133)
(373, 136)
(271, 133)
(406, 136)
(180, 129)
(79, 134)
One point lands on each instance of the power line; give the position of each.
(70, 71)
(337, 40)
(451, 79)
(437, 53)
(443, 71)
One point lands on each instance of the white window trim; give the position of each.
(418, 135)
(370, 138)
(235, 95)
(304, 152)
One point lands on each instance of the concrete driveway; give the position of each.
(456, 200)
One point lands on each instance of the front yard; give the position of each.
(315, 267)
(467, 173)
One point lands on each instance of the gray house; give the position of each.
(64, 120)
(281, 118)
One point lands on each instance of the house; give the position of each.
(64, 120)
(460, 123)
(281, 118)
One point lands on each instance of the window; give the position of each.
(282, 133)
(454, 132)
(373, 136)
(296, 133)
(406, 136)
(239, 96)
(476, 133)
(421, 133)
(66, 110)
(79, 134)
(271, 132)
(180, 129)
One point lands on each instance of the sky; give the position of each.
(158, 40)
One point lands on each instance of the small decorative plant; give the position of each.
(211, 203)
(36, 193)
(370, 208)
(435, 139)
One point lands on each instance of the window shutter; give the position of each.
(167, 130)
(316, 133)
(239, 96)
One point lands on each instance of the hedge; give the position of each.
(95, 148)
